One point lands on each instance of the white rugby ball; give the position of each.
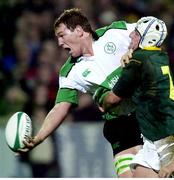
(18, 128)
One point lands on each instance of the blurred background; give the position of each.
(30, 60)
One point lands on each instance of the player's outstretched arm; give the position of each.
(52, 121)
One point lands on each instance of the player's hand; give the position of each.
(126, 58)
(30, 143)
(165, 172)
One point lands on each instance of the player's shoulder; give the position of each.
(66, 68)
(117, 25)
(140, 54)
(144, 54)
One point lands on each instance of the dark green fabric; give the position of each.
(155, 97)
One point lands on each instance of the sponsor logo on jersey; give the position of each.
(86, 72)
(110, 48)
(113, 81)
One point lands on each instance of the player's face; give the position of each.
(135, 39)
(68, 39)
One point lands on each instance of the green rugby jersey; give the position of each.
(87, 74)
(149, 75)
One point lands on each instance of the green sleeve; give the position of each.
(67, 95)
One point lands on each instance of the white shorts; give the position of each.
(147, 156)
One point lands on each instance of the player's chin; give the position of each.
(74, 54)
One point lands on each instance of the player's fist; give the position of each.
(126, 58)
(30, 143)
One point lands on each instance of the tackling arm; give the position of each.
(125, 86)
(110, 100)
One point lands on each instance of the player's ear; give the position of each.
(79, 30)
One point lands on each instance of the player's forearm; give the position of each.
(110, 100)
(52, 121)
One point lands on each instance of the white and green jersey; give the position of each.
(87, 74)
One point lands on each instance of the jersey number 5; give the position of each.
(165, 70)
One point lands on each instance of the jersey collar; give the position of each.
(153, 48)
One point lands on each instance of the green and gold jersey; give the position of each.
(87, 74)
(149, 75)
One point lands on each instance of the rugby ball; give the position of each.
(18, 128)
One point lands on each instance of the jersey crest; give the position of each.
(110, 48)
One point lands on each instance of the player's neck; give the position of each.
(87, 49)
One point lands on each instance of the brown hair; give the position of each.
(73, 17)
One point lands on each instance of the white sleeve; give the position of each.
(65, 82)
